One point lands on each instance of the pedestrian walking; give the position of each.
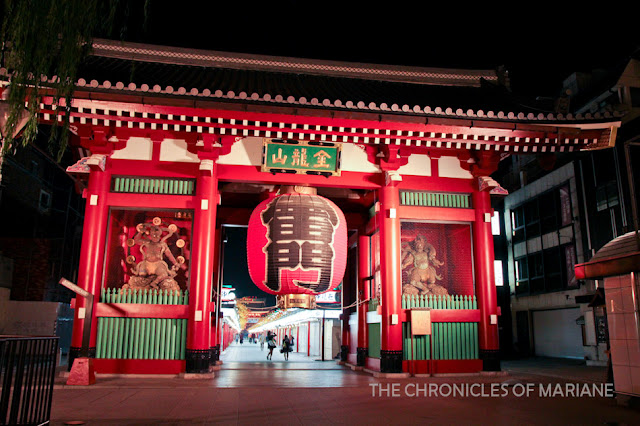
(286, 347)
(271, 344)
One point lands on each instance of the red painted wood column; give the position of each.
(485, 283)
(364, 272)
(346, 313)
(198, 354)
(92, 253)
(309, 338)
(216, 320)
(391, 326)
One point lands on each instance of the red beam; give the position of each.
(151, 201)
(351, 180)
(153, 168)
(436, 213)
(139, 366)
(448, 315)
(305, 115)
(442, 366)
(432, 183)
(139, 310)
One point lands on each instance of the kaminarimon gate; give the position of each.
(176, 143)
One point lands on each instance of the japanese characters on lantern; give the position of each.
(297, 244)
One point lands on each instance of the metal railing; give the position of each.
(27, 371)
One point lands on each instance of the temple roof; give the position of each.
(270, 80)
(136, 88)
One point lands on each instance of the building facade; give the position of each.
(561, 210)
(174, 145)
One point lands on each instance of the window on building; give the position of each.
(497, 271)
(44, 203)
(635, 96)
(495, 223)
(542, 230)
(607, 196)
(517, 225)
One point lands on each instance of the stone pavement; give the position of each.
(302, 391)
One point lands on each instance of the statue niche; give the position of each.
(153, 272)
(419, 260)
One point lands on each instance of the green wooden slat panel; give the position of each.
(456, 341)
(436, 341)
(183, 340)
(99, 338)
(116, 338)
(109, 340)
(374, 340)
(153, 338)
(465, 341)
(163, 338)
(174, 326)
(150, 185)
(126, 338)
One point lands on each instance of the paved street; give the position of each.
(250, 390)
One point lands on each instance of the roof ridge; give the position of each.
(206, 58)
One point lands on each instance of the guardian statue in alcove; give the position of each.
(419, 259)
(153, 272)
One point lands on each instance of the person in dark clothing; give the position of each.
(286, 347)
(271, 344)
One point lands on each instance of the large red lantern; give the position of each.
(297, 244)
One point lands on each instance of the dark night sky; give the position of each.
(539, 44)
(236, 271)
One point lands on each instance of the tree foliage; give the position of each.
(44, 42)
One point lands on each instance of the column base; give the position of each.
(74, 352)
(344, 352)
(390, 361)
(361, 356)
(490, 359)
(215, 354)
(197, 360)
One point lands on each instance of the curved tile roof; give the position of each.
(323, 84)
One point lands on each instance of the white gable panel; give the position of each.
(136, 149)
(176, 150)
(418, 165)
(449, 167)
(245, 152)
(354, 159)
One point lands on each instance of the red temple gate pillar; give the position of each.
(391, 272)
(94, 233)
(364, 273)
(346, 312)
(198, 351)
(485, 284)
(216, 315)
